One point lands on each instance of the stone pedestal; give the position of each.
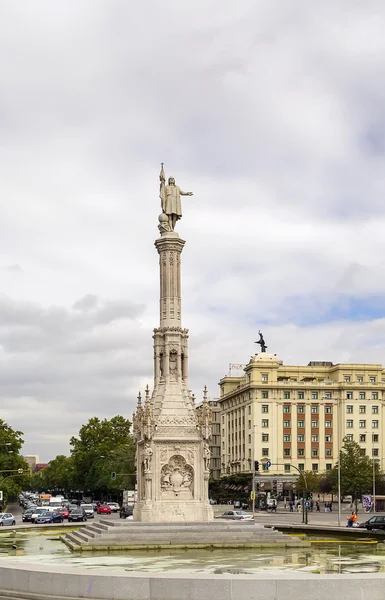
(172, 436)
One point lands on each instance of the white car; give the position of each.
(114, 506)
(7, 519)
(89, 510)
(236, 515)
(37, 512)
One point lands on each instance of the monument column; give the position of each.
(172, 436)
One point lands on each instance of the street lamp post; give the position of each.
(339, 456)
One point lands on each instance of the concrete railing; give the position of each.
(39, 582)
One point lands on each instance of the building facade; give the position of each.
(296, 417)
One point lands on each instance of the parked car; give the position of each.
(77, 514)
(114, 506)
(104, 509)
(36, 512)
(7, 519)
(49, 517)
(89, 510)
(126, 511)
(375, 522)
(27, 515)
(236, 515)
(64, 511)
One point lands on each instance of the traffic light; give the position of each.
(256, 465)
(113, 475)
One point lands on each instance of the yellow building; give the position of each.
(297, 416)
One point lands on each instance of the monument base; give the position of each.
(173, 512)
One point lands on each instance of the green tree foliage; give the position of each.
(310, 481)
(11, 442)
(356, 471)
(103, 447)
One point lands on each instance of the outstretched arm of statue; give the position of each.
(182, 193)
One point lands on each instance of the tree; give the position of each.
(11, 442)
(58, 476)
(313, 481)
(103, 447)
(356, 471)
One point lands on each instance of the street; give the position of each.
(17, 512)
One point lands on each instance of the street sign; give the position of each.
(252, 495)
(268, 464)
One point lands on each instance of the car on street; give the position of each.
(126, 511)
(49, 517)
(114, 506)
(36, 512)
(375, 522)
(7, 519)
(104, 509)
(89, 510)
(64, 511)
(77, 514)
(27, 515)
(236, 515)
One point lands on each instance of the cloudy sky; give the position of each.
(272, 113)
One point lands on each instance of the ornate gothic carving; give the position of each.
(177, 478)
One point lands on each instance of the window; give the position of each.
(286, 395)
(328, 466)
(362, 451)
(301, 467)
(349, 423)
(374, 451)
(265, 467)
(286, 423)
(265, 408)
(286, 408)
(300, 423)
(328, 410)
(375, 437)
(249, 424)
(249, 439)
(349, 395)
(328, 452)
(314, 395)
(301, 452)
(362, 424)
(265, 422)
(265, 377)
(328, 424)
(265, 451)
(349, 408)
(249, 409)
(286, 451)
(362, 410)
(314, 438)
(287, 468)
(362, 438)
(301, 409)
(372, 379)
(328, 438)
(374, 395)
(265, 437)
(362, 395)
(301, 438)
(375, 410)
(286, 437)
(314, 424)
(375, 424)
(314, 410)
(301, 395)
(347, 378)
(265, 395)
(314, 467)
(349, 437)
(328, 395)
(360, 379)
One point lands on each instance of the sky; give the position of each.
(272, 113)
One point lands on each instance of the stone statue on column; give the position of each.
(170, 194)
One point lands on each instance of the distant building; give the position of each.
(40, 467)
(296, 417)
(32, 460)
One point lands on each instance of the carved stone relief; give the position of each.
(177, 478)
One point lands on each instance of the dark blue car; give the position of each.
(49, 517)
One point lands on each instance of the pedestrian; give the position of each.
(352, 519)
(317, 507)
(331, 506)
(291, 506)
(311, 505)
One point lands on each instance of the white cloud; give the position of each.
(272, 113)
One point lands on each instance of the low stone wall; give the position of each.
(36, 582)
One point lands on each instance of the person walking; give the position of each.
(317, 507)
(352, 519)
